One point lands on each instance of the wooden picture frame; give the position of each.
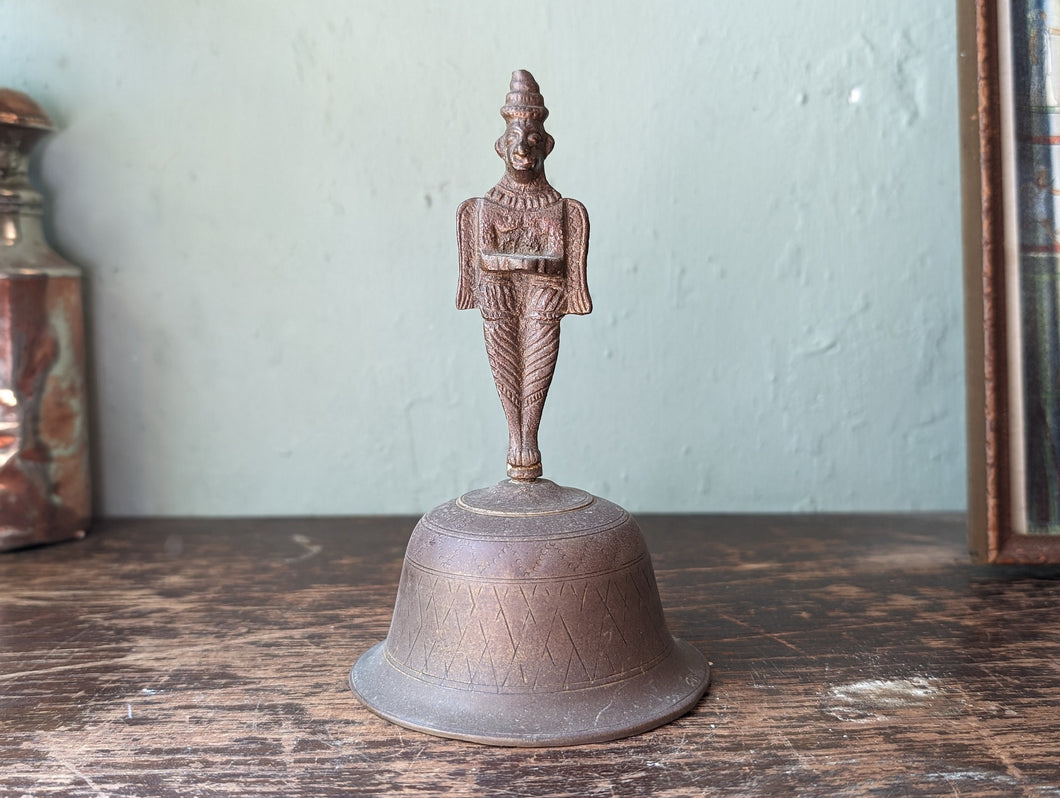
(1003, 522)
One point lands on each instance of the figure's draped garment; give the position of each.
(523, 264)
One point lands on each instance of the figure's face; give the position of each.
(524, 147)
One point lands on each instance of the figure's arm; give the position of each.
(577, 221)
(465, 238)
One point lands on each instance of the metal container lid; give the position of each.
(19, 110)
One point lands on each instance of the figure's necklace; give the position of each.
(523, 196)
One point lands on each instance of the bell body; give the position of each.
(528, 614)
(45, 492)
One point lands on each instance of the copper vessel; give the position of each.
(527, 613)
(44, 468)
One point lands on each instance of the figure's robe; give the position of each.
(523, 264)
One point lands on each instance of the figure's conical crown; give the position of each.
(524, 100)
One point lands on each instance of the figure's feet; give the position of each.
(524, 462)
(524, 455)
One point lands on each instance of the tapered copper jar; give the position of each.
(527, 614)
(44, 468)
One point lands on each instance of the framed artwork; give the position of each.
(1009, 72)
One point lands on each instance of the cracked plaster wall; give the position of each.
(263, 196)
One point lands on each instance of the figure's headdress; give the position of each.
(524, 100)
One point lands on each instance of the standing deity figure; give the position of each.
(522, 264)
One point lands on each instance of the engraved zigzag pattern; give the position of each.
(542, 346)
(552, 635)
(502, 347)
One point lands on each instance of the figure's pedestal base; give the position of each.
(527, 614)
(530, 472)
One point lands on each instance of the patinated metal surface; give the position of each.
(44, 468)
(527, 613)
(522, 264)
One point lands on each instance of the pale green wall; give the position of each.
(263, 194)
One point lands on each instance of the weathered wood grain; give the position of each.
(852, 656)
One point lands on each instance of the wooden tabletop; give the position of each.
(852, 655)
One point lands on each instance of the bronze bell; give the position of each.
(527, 613)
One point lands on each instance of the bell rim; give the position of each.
(645, 701)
